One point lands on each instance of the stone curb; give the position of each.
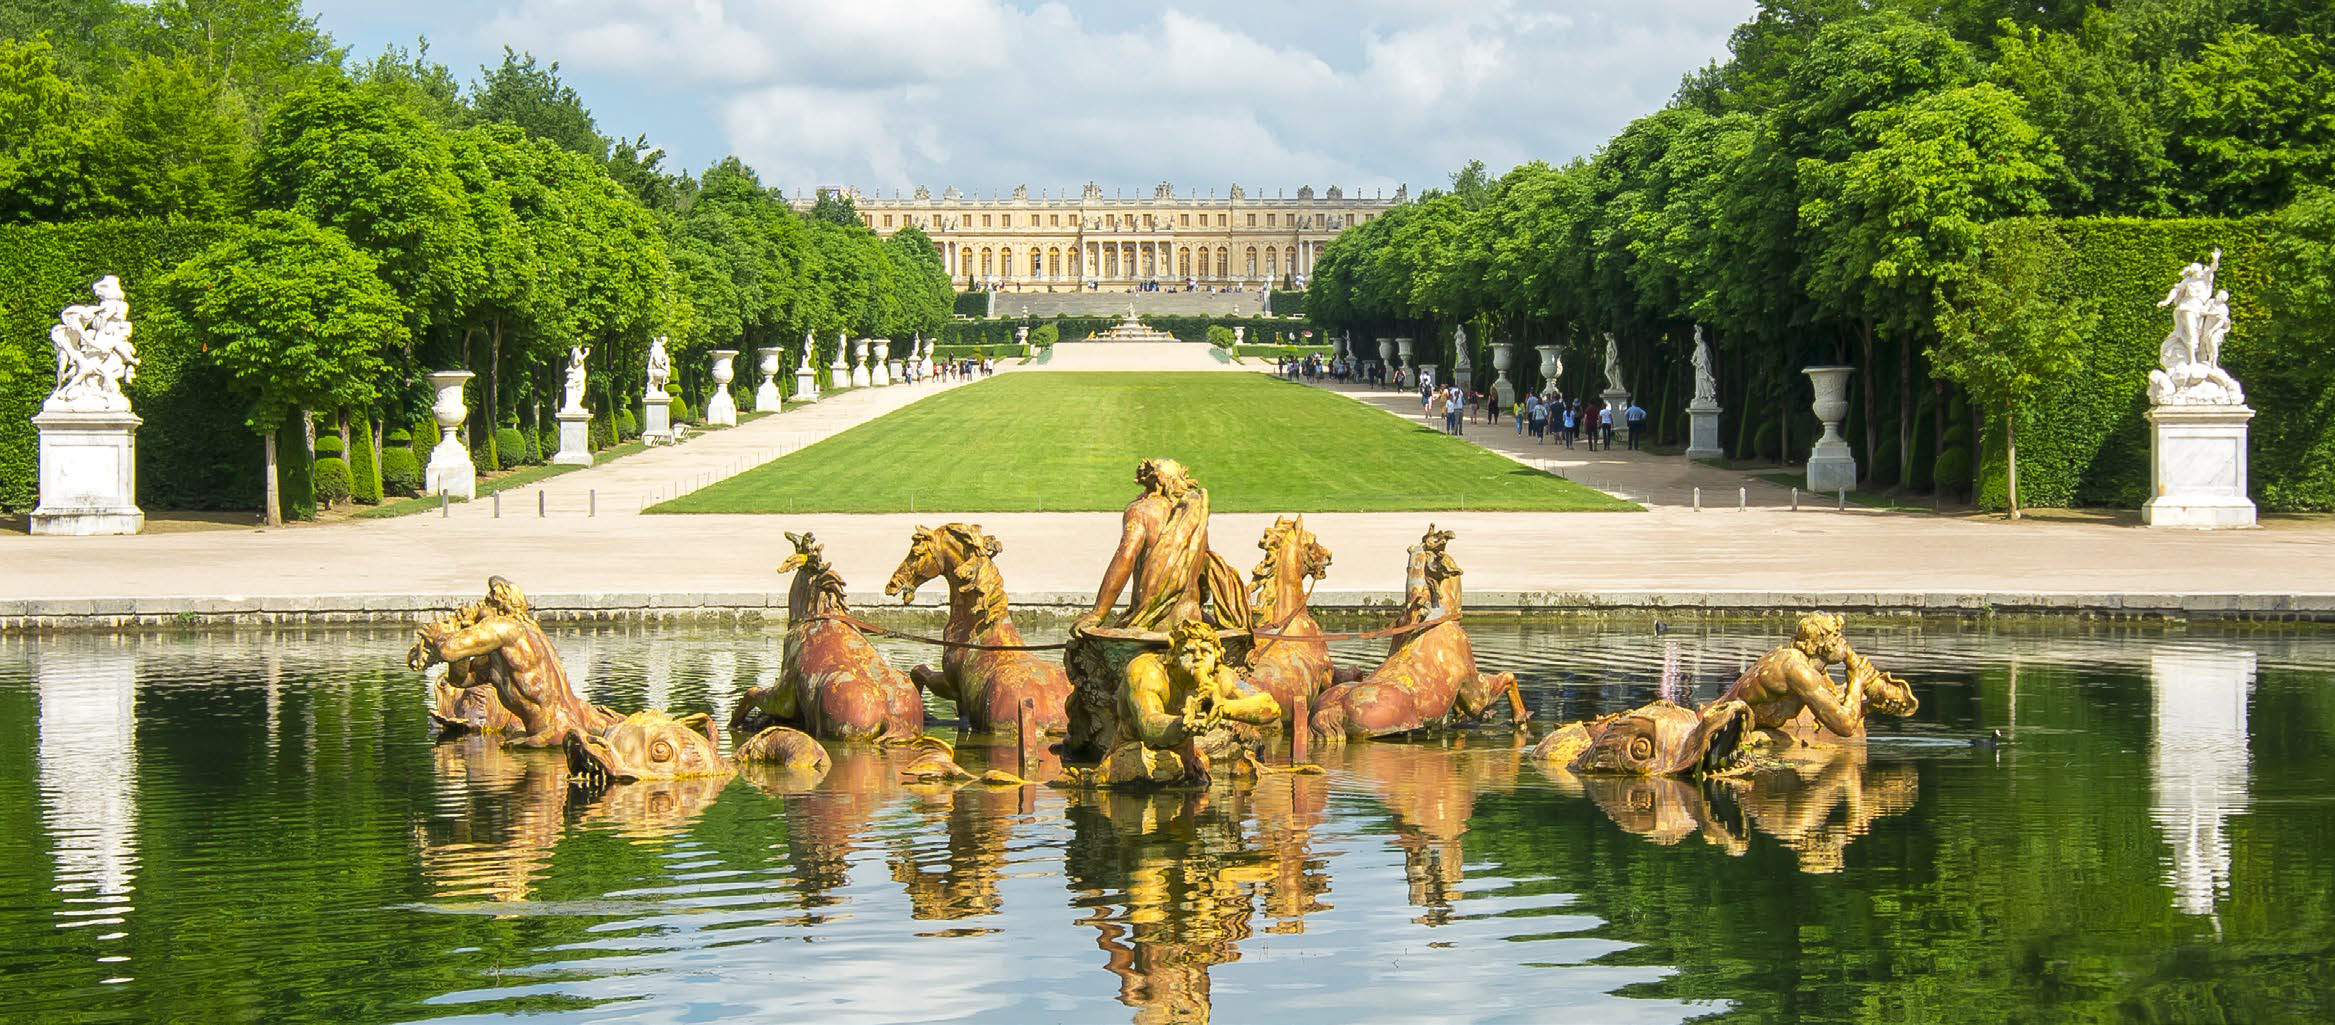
(39, 615)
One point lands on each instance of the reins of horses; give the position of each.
(1268, 636)
(866, 627)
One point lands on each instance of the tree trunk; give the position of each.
(1905, 454)
(273, 513)
(1872, 405)
(1938, 405)
(494, 388)
(1783, 421)
(2011, 455)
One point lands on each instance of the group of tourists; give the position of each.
(1312, 368)
(965, 369)
(1550, 419)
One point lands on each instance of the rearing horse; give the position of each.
(1296, 660)
(1428, 674)
(988, 687)
(833, 684)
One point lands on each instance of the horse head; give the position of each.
(817, 587)
(1292, 554)
(956, 550)
(1432, 580)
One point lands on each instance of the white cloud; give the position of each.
(986, 94)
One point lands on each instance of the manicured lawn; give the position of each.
(1070, 442)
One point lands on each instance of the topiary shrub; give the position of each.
(603, 434)
(547, 445)
(328, 446)
(331, 479)
(364, 469)
(680, 411)
(1951, 473)
(401, 473)
(425, 435)
(626, 427)
(512, 447)
(295, 486)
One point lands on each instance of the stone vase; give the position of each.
(859, 363)
(1502, 392)
(1831, 466)
(766, 398)
(1403, 352)
(721, 410)
(880, 370)
(450, 473)
(1548, 367)
(2197, 467)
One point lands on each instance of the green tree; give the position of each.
(183, 141)
(416, 82)
(2003, 333)
(56, 156)
(833, 207)
(2254, 120)
(264, 50)
(295, 314)
(532, 97)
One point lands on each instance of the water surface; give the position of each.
(257, 826)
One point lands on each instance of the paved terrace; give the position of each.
(620, 561)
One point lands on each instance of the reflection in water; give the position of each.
(87, 766)
(1288, 810)
(1818, 801)
(499, 813)
(1161, 876)
(2198, 758)
(1432, 792)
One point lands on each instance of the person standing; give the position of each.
(1637, 423)
(1565, 430)
(1605, 426)
(1453, 405)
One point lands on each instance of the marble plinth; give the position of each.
(575, 438)
(451, 473)
(2197, 468)
(1702, 436)
(806, 385)
(657, 420)
(88, 473)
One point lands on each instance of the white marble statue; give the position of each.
(808, 345)
(1706, 387)
(576, 357)
(660, 367)
(2190, 357)
(1613, 364)
(94, 355)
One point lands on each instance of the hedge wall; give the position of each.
(2083, 440)
(194, 451)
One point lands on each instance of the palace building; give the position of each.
(1064, 244)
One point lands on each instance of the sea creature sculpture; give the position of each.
(1661, 738)
(784, 748)
(988, 686)
(498, 644)
(833, 684)
(1430, 673)
(649, 746)
(1291, 660)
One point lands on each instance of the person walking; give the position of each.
(1453, 405)
(1566, 429)
(1637, 422)
(1605, 426)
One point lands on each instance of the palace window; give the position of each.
(1006, 220)
(1252, 265)
(985, 220)
(1187, 221)
(1054, 220)
(1220, 220)
(887, 220)
(1269, 219)
(1272, 263)
(1035, 267)
(1252, 220)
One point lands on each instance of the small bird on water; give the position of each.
(1994, 738)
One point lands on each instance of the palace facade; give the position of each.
(1063, 244)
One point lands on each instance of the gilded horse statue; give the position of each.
(1291, 659)
(987, 686)
(833, 685)
(1429, 673)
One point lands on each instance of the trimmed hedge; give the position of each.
(401, 472)
(194, 451)
(512, 447)
(330, 477)
(364, 470)
(2083, 440)
(970, 304)
(1281, 351)
(295, 477)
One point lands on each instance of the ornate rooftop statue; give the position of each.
(94, 355)
(660, 367)
(2190, 357)
(1706, 387)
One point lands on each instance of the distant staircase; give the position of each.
(1041, 305)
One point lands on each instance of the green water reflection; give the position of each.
(256, 827)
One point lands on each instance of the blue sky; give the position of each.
(889, 94)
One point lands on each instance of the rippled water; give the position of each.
(256, 826)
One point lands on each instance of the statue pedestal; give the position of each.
(1617, 400)
(839, 376)
(657, 420)
(88, 473)
(1702, 437)
(721, 410)
(2197, 468)
(897, 376)
(766, 393)
(806, 385)
(451, 473)
(575, 438)
(1503, 393)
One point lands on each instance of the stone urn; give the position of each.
(859, 363)
(450, 473)
(880, 371)
(1502, 391)
(721, 410)
(1831, 466)
(1403, 352)
(1549, 367)
(766, 397)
